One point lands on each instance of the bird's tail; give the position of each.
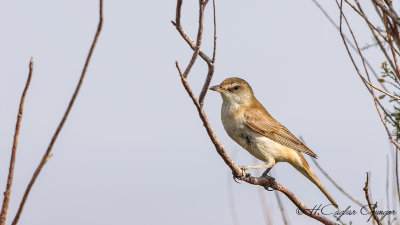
(305, 169)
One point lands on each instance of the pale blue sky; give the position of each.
(134, 151)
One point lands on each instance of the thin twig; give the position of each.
(368, 46)
(347, 39)
(199, 33)
(394, 17)
(375, 87)
(211, 66)
(7, 193)
(372, 92)
(377, 38)
(47, 154)
(377, 10)
(215, 32)
(393, 50)
(237, 172)
(367, 21)
(190, 42)
(206, 85)
(370, 206)
(386, 126)
(355, 66)
(355, 49)
(393, 27)
(196, 46)
(178, 26)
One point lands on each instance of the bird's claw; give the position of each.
(244, 168)
(235, 178)
(243, 175)
(268, 188)
(264, 175)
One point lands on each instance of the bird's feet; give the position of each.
(244, 174)
(265, 175)
(243, 168)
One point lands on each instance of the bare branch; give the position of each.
(393, 50)
(210, 65)
(185, 36)
(371, 208)
(47, 154)
(385, 125)
(7, 193)
(377, 40)
(215, 33)
(237, 172)
(199, 32)
(347, 39)
(206, 84)
(196, 46)
(368, 22)
(355, 66)
(394, 17)
(191, 43)
(375, 87)
(366, 62)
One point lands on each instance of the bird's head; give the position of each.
(235, 90)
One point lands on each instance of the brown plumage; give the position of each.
(249, 124)
(262, 122)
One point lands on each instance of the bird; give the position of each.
(250, 125)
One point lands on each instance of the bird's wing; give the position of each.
(263, 123)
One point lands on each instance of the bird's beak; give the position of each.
(217, 88)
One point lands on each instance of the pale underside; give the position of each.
(257, 144)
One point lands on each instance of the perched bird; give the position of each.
(249, 124)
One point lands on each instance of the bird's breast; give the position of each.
(235, 125)
(256, 144)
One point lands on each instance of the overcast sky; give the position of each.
(134, 151)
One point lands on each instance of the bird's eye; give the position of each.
(236, 87)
